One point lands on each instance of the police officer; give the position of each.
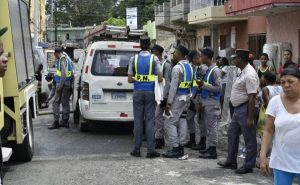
(193, 110)
(157, 50)
(178, 98)
(210, 97)
(142, 70)
(242, 100)
(63, 79)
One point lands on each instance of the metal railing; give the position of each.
(199, 4)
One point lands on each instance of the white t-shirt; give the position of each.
(225, 77)
(285, 154)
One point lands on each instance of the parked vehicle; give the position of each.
(104, 93)
(18, 88)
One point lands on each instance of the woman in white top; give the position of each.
(283, 126)
(272, 89)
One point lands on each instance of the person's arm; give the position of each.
(217, 86)
(130, 71)
(158, 69)
(265, 96)
(252, 84)
(272, 70)
(63, 63)
(174, 84)
(265, 145)
(251, 110)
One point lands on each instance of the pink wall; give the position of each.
(257, 24)
(285, 28)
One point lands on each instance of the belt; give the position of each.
(239, 105)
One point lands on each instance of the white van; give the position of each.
(105, 94)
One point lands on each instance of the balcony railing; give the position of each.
(199, 4)
(179, 10)
(162, 14)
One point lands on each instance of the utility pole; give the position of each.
(55, 20)
(36, 21)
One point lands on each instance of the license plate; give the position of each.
(118, 96)
(97, 97)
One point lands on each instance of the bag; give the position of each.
(261, 120)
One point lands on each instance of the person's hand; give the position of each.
(264, 166)
(58, 90)
(167, 110)
(199, 83)
(250, 122)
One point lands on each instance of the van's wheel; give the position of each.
(82, 125)
(76, 115)
(24, 152)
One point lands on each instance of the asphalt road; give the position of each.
(101, 156)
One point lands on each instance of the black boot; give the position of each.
(55, 125)
(181, 151)
(192, 141)
(159, 143)
(201, 146)
(211, 153)
(174, 153)
(64, 123)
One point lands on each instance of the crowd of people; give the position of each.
(193, 93)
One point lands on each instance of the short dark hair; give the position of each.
(271, 77)
(291, 71)
(225, 61)
(288, 50)
(265, 54)
(58, 50)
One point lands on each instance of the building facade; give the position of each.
(282, 20)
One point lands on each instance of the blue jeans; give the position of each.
(284, 178)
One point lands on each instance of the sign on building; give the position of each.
(131, 17)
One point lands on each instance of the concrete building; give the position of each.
(282, 19)
(69, 34)
(172, 24)
(41, 18)
(219, 31)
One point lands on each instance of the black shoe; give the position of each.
(227, 165)
(181, 151)
(192, 142)
(174, 153)
(153, 155)
(159, 143)
(201, 146)
(55, 125)
(211, 153)
(135, 153)
(244, 170)
(64, 123)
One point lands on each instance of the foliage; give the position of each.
(145, 9)
(81, 12)
(116, 21)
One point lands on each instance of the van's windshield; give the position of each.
(111, 63)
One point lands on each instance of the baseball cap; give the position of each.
(242, 53)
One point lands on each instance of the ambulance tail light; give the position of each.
(85, 91)
(136, 47)
(86, 69)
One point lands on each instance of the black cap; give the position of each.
(145, 41)
(207, 52)
(58, 50)
(158, 48)
(192, 54)
(241, 53)
(183, 50)
(2, 31)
